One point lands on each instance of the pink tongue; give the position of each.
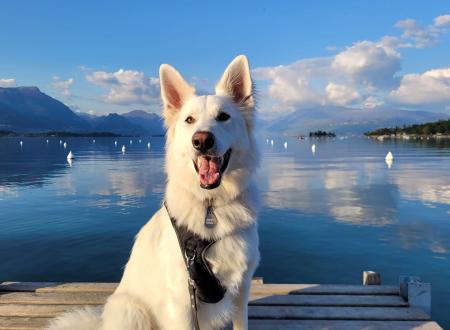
(209, 171)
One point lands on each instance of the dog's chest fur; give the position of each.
(156, 261)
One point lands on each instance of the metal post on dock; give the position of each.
(371, 278)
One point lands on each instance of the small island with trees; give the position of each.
(438, 129)
(321, 134)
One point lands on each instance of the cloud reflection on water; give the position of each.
(342, 191)
(421, 185)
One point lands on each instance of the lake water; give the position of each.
(326, 217)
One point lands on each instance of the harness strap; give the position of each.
(202, 283)
(192, 292)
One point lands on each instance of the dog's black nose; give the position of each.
(203, 141)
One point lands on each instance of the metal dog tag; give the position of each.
(210, 219)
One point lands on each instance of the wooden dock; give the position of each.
(30, 305)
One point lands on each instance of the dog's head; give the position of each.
(210, 146)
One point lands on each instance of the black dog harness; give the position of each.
(203, 284)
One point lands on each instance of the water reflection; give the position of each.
(8, 192)
(417, 234)
(428, 186)
(338, 212)
(389, 162)
(29, 165)
(347, 192)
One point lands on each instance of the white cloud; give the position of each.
(341, 94)
(290, 84)
(340, 80)
(368, 63)
(442, 21)
(7, 82)
(372, 102)
(366, 74)
(63, 86)
(84, 68)
(420, 36)
(430, 87)
(126, 86)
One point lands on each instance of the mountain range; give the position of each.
(27, 109)
(342, 120)
(136, 122)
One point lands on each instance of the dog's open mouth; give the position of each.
(210, 169)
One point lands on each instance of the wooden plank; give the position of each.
(259, 312)
(23, 286)
(52, 298)
(329, 300)
(72, 287)
(337, 313)
(256, 288)
(57, 287)
(23, 323)
(341, 325)
(98, 298)
(26, 323)
(325, 289)
(35, 310)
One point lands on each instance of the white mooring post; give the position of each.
(417, 294)
(371, 278)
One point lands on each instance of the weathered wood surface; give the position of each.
(325, 289)
(99, 298)
(322, 289)
(256, 312)
(341, 325)
(57, 287)
(15, 323)
(337, 313)
(272, 306)
(329, 300)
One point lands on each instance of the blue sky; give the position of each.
(345, 53)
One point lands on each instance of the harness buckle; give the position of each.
(191, 257)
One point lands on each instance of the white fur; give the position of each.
(153, 292)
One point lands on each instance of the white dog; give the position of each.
(211, 198)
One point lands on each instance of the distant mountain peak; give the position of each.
(27, 109)
(22, 89)
(140, 114)
(29, 88)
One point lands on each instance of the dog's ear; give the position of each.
(175, 91)
(237, 83)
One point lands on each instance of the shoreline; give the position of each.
(381, 137)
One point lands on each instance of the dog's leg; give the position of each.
(125, 312)
(240, 317)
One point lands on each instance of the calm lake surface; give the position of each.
(325, 217)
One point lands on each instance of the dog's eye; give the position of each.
(190, 120)
(223, 116)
